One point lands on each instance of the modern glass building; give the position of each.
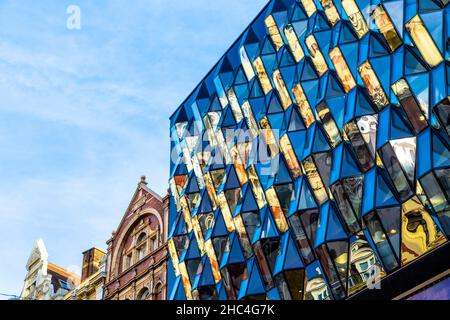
(313, 160)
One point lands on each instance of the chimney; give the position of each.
(91, 261)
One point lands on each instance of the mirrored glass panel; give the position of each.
(386, 27)
(373, 85)
(423, 41)
(355, 17)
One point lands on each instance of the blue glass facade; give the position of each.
(314, 158)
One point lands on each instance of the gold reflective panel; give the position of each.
(198, 234)
(274, 32)
(316, 55)
(303, 104)
(256, 186)
(355, 17)
(330, 11)
(424, 42)
(246, 64)
(289, 155)
(311, 172)
(286, 100)
(419, 232)
(213, 260)
(269, 137)
(372, 84)
(186, 213)
(309, 6)
(262, 75)
(412, 109)
(250, 119)
(342, 69)
(239, 165)
(243, 237)
(185, 279)
(328, 123)
(386, 27)
(226, 213)
(173, 256)
(210, 189)
(276, 210)
(295, 46)
(235, 107)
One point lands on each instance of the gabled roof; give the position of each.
(142, 185)
(39, 252)
(60, 276)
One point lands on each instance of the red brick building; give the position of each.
(137, 252)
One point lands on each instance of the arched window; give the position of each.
(159, 292)
(143, 294)
(127, 260)
(141, 238)
(141, 246)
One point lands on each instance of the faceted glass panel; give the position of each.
(419, 232)
(341, 67)
(301, 239)
(273, 145)
(364, 268)
(423, 41)
(294, 44)
(381, 241)
(316, 55)
(373, 85)
(330, 11)
(355, 17)
(303, 104)
(386, 27)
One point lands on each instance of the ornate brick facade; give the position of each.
(137, 252)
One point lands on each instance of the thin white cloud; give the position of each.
(85, 113)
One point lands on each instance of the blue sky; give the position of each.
(84, 113)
